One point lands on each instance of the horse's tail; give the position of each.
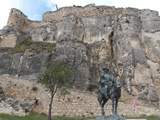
(118, 92)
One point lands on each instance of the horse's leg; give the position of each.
(102, 110)
(101, 103)
(118, 95)
(104, 100)
(116, 105)
(113, 105)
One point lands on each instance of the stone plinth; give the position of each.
(111, 117)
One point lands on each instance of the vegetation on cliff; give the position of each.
(31, 46)
(34, 46)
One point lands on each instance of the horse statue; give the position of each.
(113, 92)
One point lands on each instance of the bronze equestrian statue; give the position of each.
(109, 88)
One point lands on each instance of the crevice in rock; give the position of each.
(110, 37)
(112, 62)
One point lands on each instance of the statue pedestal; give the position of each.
(110, 117)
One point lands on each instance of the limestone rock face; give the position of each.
(8, 37)
(75, 54)
(124, 39)
(11, 105)
(25, 65)
(45, 32)
(149, 94)
(17, 19)
(150, 20)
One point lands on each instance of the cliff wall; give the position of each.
(127, 40)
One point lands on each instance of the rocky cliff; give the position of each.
(127, 40)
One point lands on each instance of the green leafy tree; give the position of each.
(56, 76)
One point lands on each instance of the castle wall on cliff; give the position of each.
(124, 39)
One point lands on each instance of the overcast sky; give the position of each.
(35, 8)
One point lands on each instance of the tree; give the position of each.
(56, 76)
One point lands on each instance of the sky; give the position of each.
(35, 8)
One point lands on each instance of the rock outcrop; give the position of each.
(124, 39)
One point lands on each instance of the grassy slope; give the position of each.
(153, 118)
(35, 116)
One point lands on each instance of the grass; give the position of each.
(36, 116)
(32, 116)
(151, 117)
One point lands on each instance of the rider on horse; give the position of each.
(107, 82)
(109, 88)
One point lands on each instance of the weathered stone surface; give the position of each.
(75, 54)
(8, 37)
(88, 10)
(153, 95)
(11, 105)
(17, 19)
(151, 43)
(142, 72)
(150, 20)
(23, 64)
(45, 32)
(27, 105)
(155, 70)
(150, 95)
(20, 22)
(8, 41)
(5, 63)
